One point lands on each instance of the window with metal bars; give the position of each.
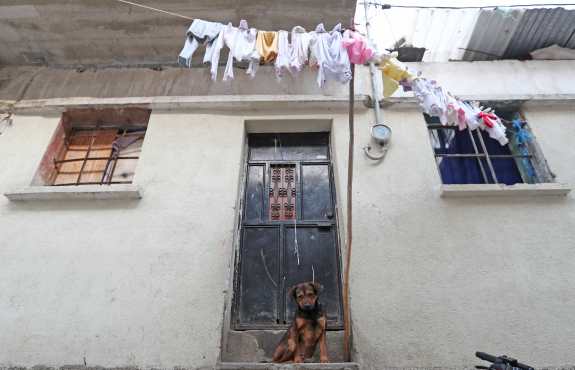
(95, 147)
(472, 157)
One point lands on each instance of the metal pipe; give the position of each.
(372, 71)
(346, 311)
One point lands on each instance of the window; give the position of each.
(94, 147)
(472, 157)
(288, 230)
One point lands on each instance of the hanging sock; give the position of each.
(330, 55)
(357, 47)
(203, 32)
(267, 45)
(242, 44)
(300, 40)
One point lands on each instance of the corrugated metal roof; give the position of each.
(540, 28)
(474, 34)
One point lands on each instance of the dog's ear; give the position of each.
(318, 287)
(292, 292)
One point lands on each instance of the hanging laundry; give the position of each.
(430, 96)
(357, 47)
(242, 44)
(300, 41)
(200, 32)
(282, 62)
(393, 71)
(468, 116)
(267, 45)
(328, 52)
(494, 127)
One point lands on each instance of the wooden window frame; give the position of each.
(93, 124)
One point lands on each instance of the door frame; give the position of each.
(233, 313)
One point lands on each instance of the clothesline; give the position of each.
(330, 53)
(436, 101)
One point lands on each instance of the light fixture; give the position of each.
(380, 137)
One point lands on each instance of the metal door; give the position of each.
(288, 230)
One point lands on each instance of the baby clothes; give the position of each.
(393, 71)
(492, 124)
(267, 45)
(300, 40)
(468, 116)
(430, 96)
(203, 32)
(357, 49)
(242, 44)
(330, 55)
(282, 62)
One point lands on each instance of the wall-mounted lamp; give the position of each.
(379, 143)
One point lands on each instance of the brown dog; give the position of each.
(308, 327)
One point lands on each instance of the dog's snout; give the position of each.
(308, 306)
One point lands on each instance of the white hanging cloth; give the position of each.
(328, 52)
(282, 62)
(300, 40)
(200, 31)
(242, 44)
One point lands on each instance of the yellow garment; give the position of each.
(393, 71)
(267, 45)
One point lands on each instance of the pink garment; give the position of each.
(357, 49)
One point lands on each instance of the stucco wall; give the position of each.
(434, 280)
(145, 282)
(124, 282)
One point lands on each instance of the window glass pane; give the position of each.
(316, 248)
(254, 193)
(316, 192)
(276, 147)
(259, 279)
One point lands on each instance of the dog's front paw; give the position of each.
(324, 359)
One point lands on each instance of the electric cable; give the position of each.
(389, 6)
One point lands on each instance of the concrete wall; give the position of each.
(121, 283)
(145, 282)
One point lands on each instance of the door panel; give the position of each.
(316, 192)
(318, 260)
(254, 200)
(259, 274)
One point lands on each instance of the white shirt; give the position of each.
(242, 44)
(300, 40)
(330, 55)
(203, 32)
(282, 62)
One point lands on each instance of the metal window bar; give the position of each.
(477, 154)
(92, 133)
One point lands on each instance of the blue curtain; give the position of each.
(467, 170)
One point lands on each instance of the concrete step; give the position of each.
(271, 366)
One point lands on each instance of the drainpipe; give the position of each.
(372, 71)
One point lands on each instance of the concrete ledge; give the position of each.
(81, 192)
(497, 190)
(209, 102)
(271, 366)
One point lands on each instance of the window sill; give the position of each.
(81, 192)
(494, 190)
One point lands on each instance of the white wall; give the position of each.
(434, 280)
(121, 283)
(144, 282)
